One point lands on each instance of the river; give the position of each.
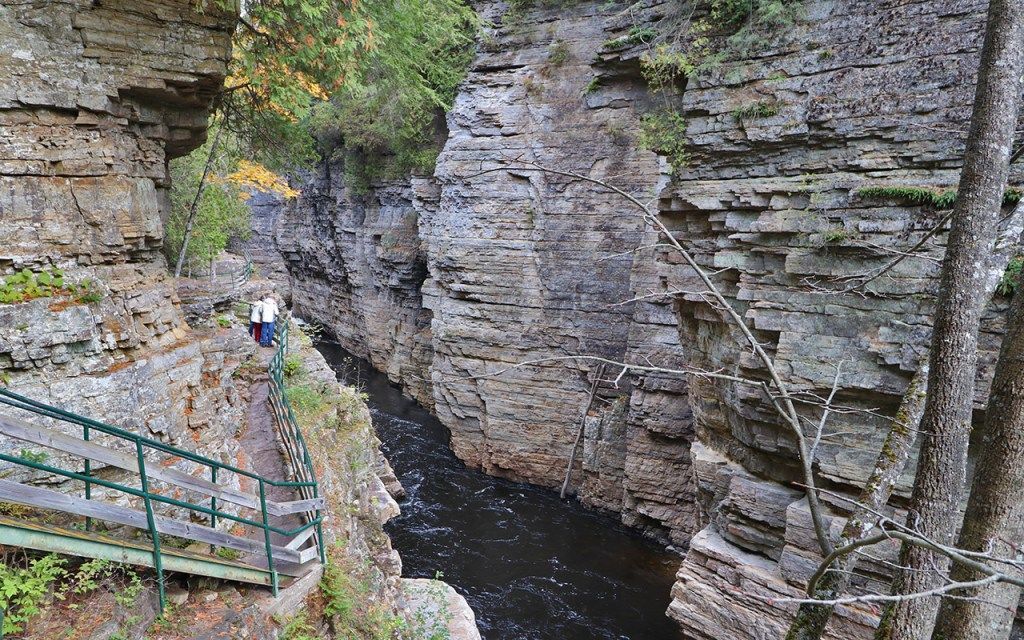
(532, 566)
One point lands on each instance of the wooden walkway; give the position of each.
(279, 507)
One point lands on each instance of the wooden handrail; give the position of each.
(89, 450)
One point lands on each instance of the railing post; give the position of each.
(266, 537)
(151, 522)
(319, 528)
(88, 485)
(213, 504)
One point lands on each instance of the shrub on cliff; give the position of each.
(215, 205)
(368, 78)
(384, 120)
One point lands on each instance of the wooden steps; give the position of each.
(162, 499)
(40, 498)
(42, 436)
(43, 537)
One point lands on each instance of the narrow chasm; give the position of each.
(530, 565)
(511, 319)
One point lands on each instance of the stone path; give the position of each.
(262, 445)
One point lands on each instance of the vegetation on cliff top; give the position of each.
(685, 46)
(369, 78)
(364, 81)
(385, 119)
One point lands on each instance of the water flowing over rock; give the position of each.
(442, 281)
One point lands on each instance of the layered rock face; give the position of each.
(441, 280)
(261, 247)
(525, 266)
(881, 97)
(98, 98)
(458, 277)
(357, 267)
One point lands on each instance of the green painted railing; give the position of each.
(288, 429)
(305, 479)
(235, 277)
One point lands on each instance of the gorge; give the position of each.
(499, 291)
(440, 281)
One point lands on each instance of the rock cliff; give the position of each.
(436, 280)
(99, 98)
(446, 281)
(875, 94)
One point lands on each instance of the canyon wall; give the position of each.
(867, 94)
(438, 280)
(448, 281)
(97, 99)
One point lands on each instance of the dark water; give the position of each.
(532, 566)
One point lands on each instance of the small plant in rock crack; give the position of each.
(936, 198)
(837, 234)
(88, 292)
(1008, 283)
(228, 554)
(27, 285)
(558, 53)
(664, 132)
(754, 110)
(292, 366)
(932, 197)
(28, 455)
(533, 88)
(636, 35)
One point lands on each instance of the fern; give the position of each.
(936, 198)
(1008, 283)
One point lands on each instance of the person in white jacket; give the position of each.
(268, 316)
(255, 319)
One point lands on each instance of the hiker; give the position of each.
(268, 315)
(255, 319)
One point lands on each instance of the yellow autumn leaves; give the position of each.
(254, 176)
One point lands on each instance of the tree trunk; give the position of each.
(195, 205)
(811, 619)
(946, 423)
(995, 511)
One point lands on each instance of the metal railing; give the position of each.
(235, 277)
(305, 482)
(299, 461)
